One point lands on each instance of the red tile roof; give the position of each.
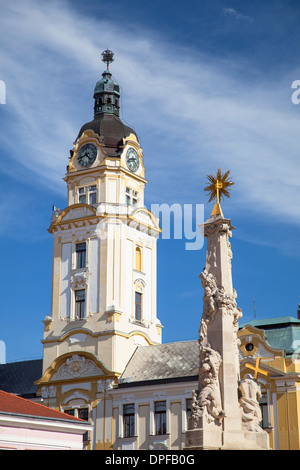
(16, 405)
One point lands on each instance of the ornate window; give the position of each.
(138, 259)
(80, 304)
(93, 194)
(188, 408)
(82, 413)
(263, 403)
(160, 417)
(80, 255)
(128, 420)
(138, 306)
(87, 194)
(132, 197)
(82, 195)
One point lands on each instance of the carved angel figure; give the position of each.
(210, 289)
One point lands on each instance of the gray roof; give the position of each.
(177, 361)
(19, 377)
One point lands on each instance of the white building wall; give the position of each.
(94, 267)
(148, 271)
(129, 277)
(65, 280)
(144, 399)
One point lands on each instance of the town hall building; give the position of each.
(103, 356)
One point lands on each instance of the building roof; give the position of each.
(163, 362)
(280, 333)
(170, 362)
(21, 406)
(270, 322)
(19, 377)
(113, 131)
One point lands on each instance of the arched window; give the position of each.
(138, 259)
(138, 306)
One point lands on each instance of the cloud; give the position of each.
(194, 114)
(236, 15)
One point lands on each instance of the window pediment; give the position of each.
(72, 213)
(79, 211)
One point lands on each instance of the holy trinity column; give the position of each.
(225, 412)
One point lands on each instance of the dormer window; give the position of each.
(132, 197)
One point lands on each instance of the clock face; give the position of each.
(87, 155)
(132, 159)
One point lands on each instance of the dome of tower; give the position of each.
(107, 84)
(106, 122)
(113, 131)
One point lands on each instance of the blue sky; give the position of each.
(205, 84)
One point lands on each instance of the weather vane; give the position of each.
(107, 57)
(218, 188)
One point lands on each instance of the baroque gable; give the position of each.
(76, 212)
(143, 217)
(75, 366)
(253, 343)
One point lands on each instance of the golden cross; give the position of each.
(256, 368)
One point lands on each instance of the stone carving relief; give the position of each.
(139, 285)
(77, 366)
(212, 232)
(78, 213)
(49, 392)
(250, 393)
(214, 299)
(104, 385)
(208, 400)
(79, 280)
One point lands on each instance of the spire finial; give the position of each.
(218, 188)
(107, 57)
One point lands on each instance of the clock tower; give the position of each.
(104, 262)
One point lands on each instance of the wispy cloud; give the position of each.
(193, 115)
(236, 15)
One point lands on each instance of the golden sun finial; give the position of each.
(218, 188)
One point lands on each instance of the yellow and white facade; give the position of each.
(97, 363)
(277, 371)
(104, 269)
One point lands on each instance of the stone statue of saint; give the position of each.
(250, 393)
